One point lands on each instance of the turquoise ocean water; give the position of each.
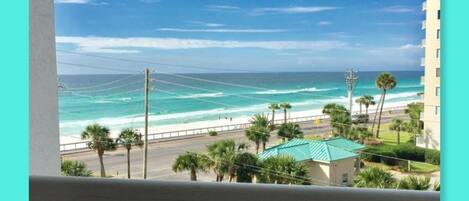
(117, 100)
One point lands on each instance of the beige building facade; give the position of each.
(334, 173)
(431, 81)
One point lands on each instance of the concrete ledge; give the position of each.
(98, 189)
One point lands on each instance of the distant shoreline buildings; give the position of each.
(431, 80)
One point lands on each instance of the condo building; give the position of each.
(431, 80)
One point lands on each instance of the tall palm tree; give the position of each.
(273, 107)
(289, 131)
(385, 82)
(100, 141)
(398, 126)
(129, 137)
(360, 101)
(360, 133)
(258, 135)
(285, 107)
(367, 101)
(374, 178)
(415, 183)
(192, 162)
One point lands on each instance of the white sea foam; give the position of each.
(292, 91)
(203, 95)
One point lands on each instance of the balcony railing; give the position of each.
(424, 6)
(99, 189)
(422, 62)
(424, 24)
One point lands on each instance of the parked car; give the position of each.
(360, 118)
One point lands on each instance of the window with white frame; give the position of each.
(437, 110)
(437, 72)
(438, 34)
(437, 91)
(438, 53)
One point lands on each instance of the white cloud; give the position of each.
(72, 1)
(207, 24)
(397, 9)
(291, 10)
(225, 30)
(222, 8)
(324, 23)
(128, 45)
(409, 46)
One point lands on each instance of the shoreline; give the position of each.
(225, 122)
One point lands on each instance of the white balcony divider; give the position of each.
(102, 189)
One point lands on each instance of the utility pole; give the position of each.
(351, 78)
(145, 152)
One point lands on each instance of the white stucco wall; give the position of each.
(340, 167)
(319, 172)
(44, 155)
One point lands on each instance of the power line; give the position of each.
(98, 67)
(111, 88)
(159, 63)
(101, 85)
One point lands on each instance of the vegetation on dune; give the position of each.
(128, 138)
(100, 141)
(75, 168)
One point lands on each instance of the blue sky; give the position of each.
(239, 36)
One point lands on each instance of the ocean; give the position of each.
(189, 100)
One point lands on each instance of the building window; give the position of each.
(438, 53)
(438, 34)
(437, 110)
(345, 178)
(438, 14)
(437, 91)
(438, 72)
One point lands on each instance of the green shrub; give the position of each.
(388, 161)
(410, 152)
(432, 157)
(212, 133)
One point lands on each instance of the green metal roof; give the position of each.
(343, 143)
(301, 150)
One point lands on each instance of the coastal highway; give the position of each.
(161, 155)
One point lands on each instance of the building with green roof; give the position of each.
(330, 162)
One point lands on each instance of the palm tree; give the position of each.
(398, 126)
(367, 101)
(360, 101)
(99, 141)
(285, 107)
(273, 107)
(75, 168)
(341, 122)
(246, 164)
(415, 183)
(289, 131)
(374, 178)
(332, 108)
(222, 155)
(192, 162)
(129, 137)
(360, 133)
(260, 120)
(385, 82)
(258, 135)
(282, 169)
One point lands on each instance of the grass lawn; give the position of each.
(389, 140)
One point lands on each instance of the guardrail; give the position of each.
(153, 137)
(100, 189)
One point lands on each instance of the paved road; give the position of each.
(162, 154)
